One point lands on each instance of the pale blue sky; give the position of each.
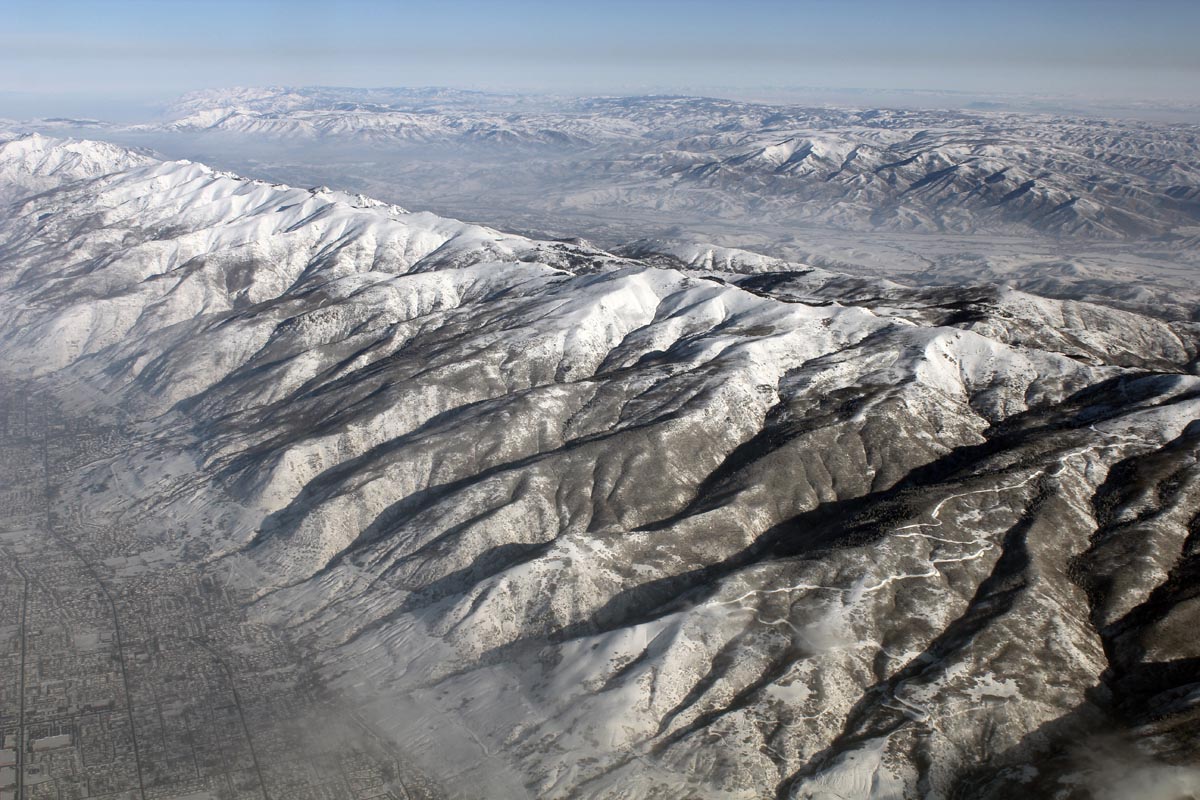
(135, 49)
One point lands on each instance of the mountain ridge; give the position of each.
(695, 522)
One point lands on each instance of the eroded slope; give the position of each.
(578, 525)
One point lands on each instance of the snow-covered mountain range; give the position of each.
(1065, 206)
(1058, 205)
(694, 158)
(686, 521)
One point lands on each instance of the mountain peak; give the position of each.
(34, 163)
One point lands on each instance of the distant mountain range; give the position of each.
(898, 170)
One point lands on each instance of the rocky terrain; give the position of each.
(680, 521)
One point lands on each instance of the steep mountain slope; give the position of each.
(691, 523)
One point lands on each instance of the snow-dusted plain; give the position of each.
(683, 522)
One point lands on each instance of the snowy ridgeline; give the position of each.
(688, 521)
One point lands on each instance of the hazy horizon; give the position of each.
(127, 57)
